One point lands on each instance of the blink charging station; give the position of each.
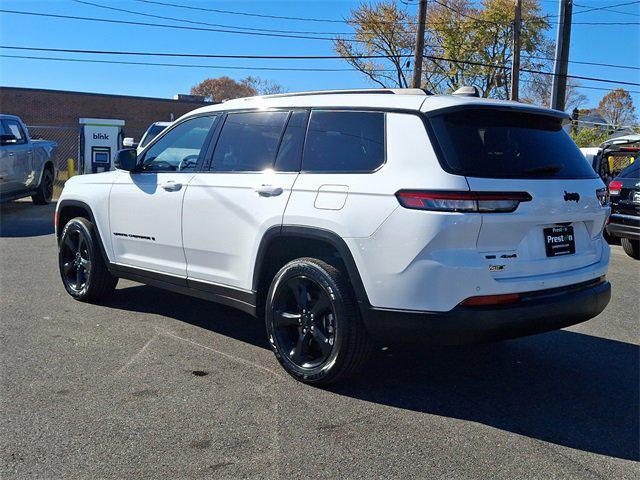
(100, 140)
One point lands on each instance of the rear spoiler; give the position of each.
(545, 112)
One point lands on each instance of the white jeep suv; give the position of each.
(347, 217)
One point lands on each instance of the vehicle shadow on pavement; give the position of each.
(24, 219)
(562, 387)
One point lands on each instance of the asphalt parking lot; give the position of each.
(155, 385)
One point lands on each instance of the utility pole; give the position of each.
(515, 66)
(560, 66)
(419, 48)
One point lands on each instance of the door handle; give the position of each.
(171, 186)
(268, 190)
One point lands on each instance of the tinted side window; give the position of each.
(290, 151)
(248, 141)
(15, 129)
(179, 149)
(344, 142)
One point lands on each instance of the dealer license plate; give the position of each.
(559, 241)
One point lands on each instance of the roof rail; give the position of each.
(388, 91)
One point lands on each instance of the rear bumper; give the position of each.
(624, 226)
(539, 312)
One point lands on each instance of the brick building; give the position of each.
(58, 108)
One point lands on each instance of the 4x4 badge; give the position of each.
(571, 196)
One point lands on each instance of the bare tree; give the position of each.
(464, 44)
(225, 88)
(380, 29)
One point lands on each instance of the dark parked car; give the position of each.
(624, 192)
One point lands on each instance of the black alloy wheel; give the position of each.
(304, 322)
(313, 322)
(75, 261)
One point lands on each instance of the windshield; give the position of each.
(507, 144)
(152, 132)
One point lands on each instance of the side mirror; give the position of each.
(129, 142)
(8, 139)
(126, 159)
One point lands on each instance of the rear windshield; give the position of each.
(501, 144)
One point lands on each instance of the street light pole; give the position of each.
(515, 66)
(560, 66)
(419, 47)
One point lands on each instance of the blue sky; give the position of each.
(599, 43)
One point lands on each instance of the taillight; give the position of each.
(615, 187)
(446, 201)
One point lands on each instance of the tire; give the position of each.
(631, 248)
(82, 267)
(324, 342)
(44, 194)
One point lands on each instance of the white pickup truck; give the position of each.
(27, 167)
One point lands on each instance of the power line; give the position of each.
(260, 57)
(528, 20)
(471, 17)
(235, 67)
(605, 7)
(179, 27)
(179, 19)
(200, 55)
(596, 64)
(612, 11)
(184, 27)
(606, 23)
(164, 25)
(230, 12)
(587, 87)
(334, 20)
(184, 65)
(194, 22)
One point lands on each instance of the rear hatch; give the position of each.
(553, 229)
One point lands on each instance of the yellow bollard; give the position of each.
(70, 168)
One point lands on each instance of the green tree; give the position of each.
(589, 137)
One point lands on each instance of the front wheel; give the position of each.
(313, 322)
(82, 267)
(631, 248)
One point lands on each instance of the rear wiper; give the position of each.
(544, 169)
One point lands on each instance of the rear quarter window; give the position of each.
(494, 143)
(344, 142)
